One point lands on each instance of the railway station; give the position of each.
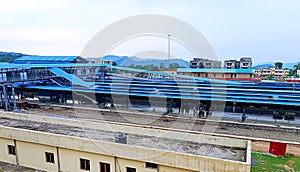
(65, 79)
(32, 86)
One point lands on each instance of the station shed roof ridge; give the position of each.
(49, 59)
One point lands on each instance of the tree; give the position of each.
(162, 66)
(131, 66)
(292, 74)
(114, 63)
(173, 66)
(138, 66)
(296, 68)
(147, 67)
(278, 65)
(271, 77)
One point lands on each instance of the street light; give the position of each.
(169, 47)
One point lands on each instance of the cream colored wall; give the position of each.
(227, 75)
(70, 160)
(70, 163)
(97, 147)
(240, 75)
(33, 155)
(170, 169)
(141, 166)
(176, 160)
(4, 156)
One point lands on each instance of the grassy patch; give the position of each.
(267, 163)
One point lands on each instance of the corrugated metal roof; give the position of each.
(47, 58)
(27, 65)
(200, 96)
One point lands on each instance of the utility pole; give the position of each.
(169, 47)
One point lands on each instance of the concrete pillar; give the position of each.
(233, 107)
(126, 103)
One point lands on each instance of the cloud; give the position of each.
(261, 28)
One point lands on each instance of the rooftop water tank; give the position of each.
(121, 138)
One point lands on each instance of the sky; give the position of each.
(266, 30)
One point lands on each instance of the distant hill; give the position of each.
(127, 61)
(264, 65)
(9, 56)
(131, 60)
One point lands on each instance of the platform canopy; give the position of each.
(49, 60)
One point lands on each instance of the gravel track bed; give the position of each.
(161, 121)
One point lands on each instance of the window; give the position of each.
(151, 165)
(84, 164)
(129, 169)
(104, 167)
(49, 157)
(11, 150)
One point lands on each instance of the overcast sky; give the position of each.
(267, 30)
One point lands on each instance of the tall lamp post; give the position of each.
(169, 47)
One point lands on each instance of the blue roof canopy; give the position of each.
(48, 59)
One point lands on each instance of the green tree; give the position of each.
(271, 77)
(173, 66)
(138, 66)
(162, 66)
(152, 67)
(278, 65)
(147, 67)
(131, 66)
(296, 67)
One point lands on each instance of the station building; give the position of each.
(224, 74)
(243, 63)
(272, 71)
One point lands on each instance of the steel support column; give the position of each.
(13, 97)
(5, 98)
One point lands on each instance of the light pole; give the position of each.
(294, 83)
(169, 47)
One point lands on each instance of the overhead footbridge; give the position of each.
(75, 80)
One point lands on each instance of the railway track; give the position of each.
(208, 126)
(178, 124)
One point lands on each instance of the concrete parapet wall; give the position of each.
(34, 141)
(131, 128)
(32, 145)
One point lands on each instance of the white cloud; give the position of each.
(235, 28)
